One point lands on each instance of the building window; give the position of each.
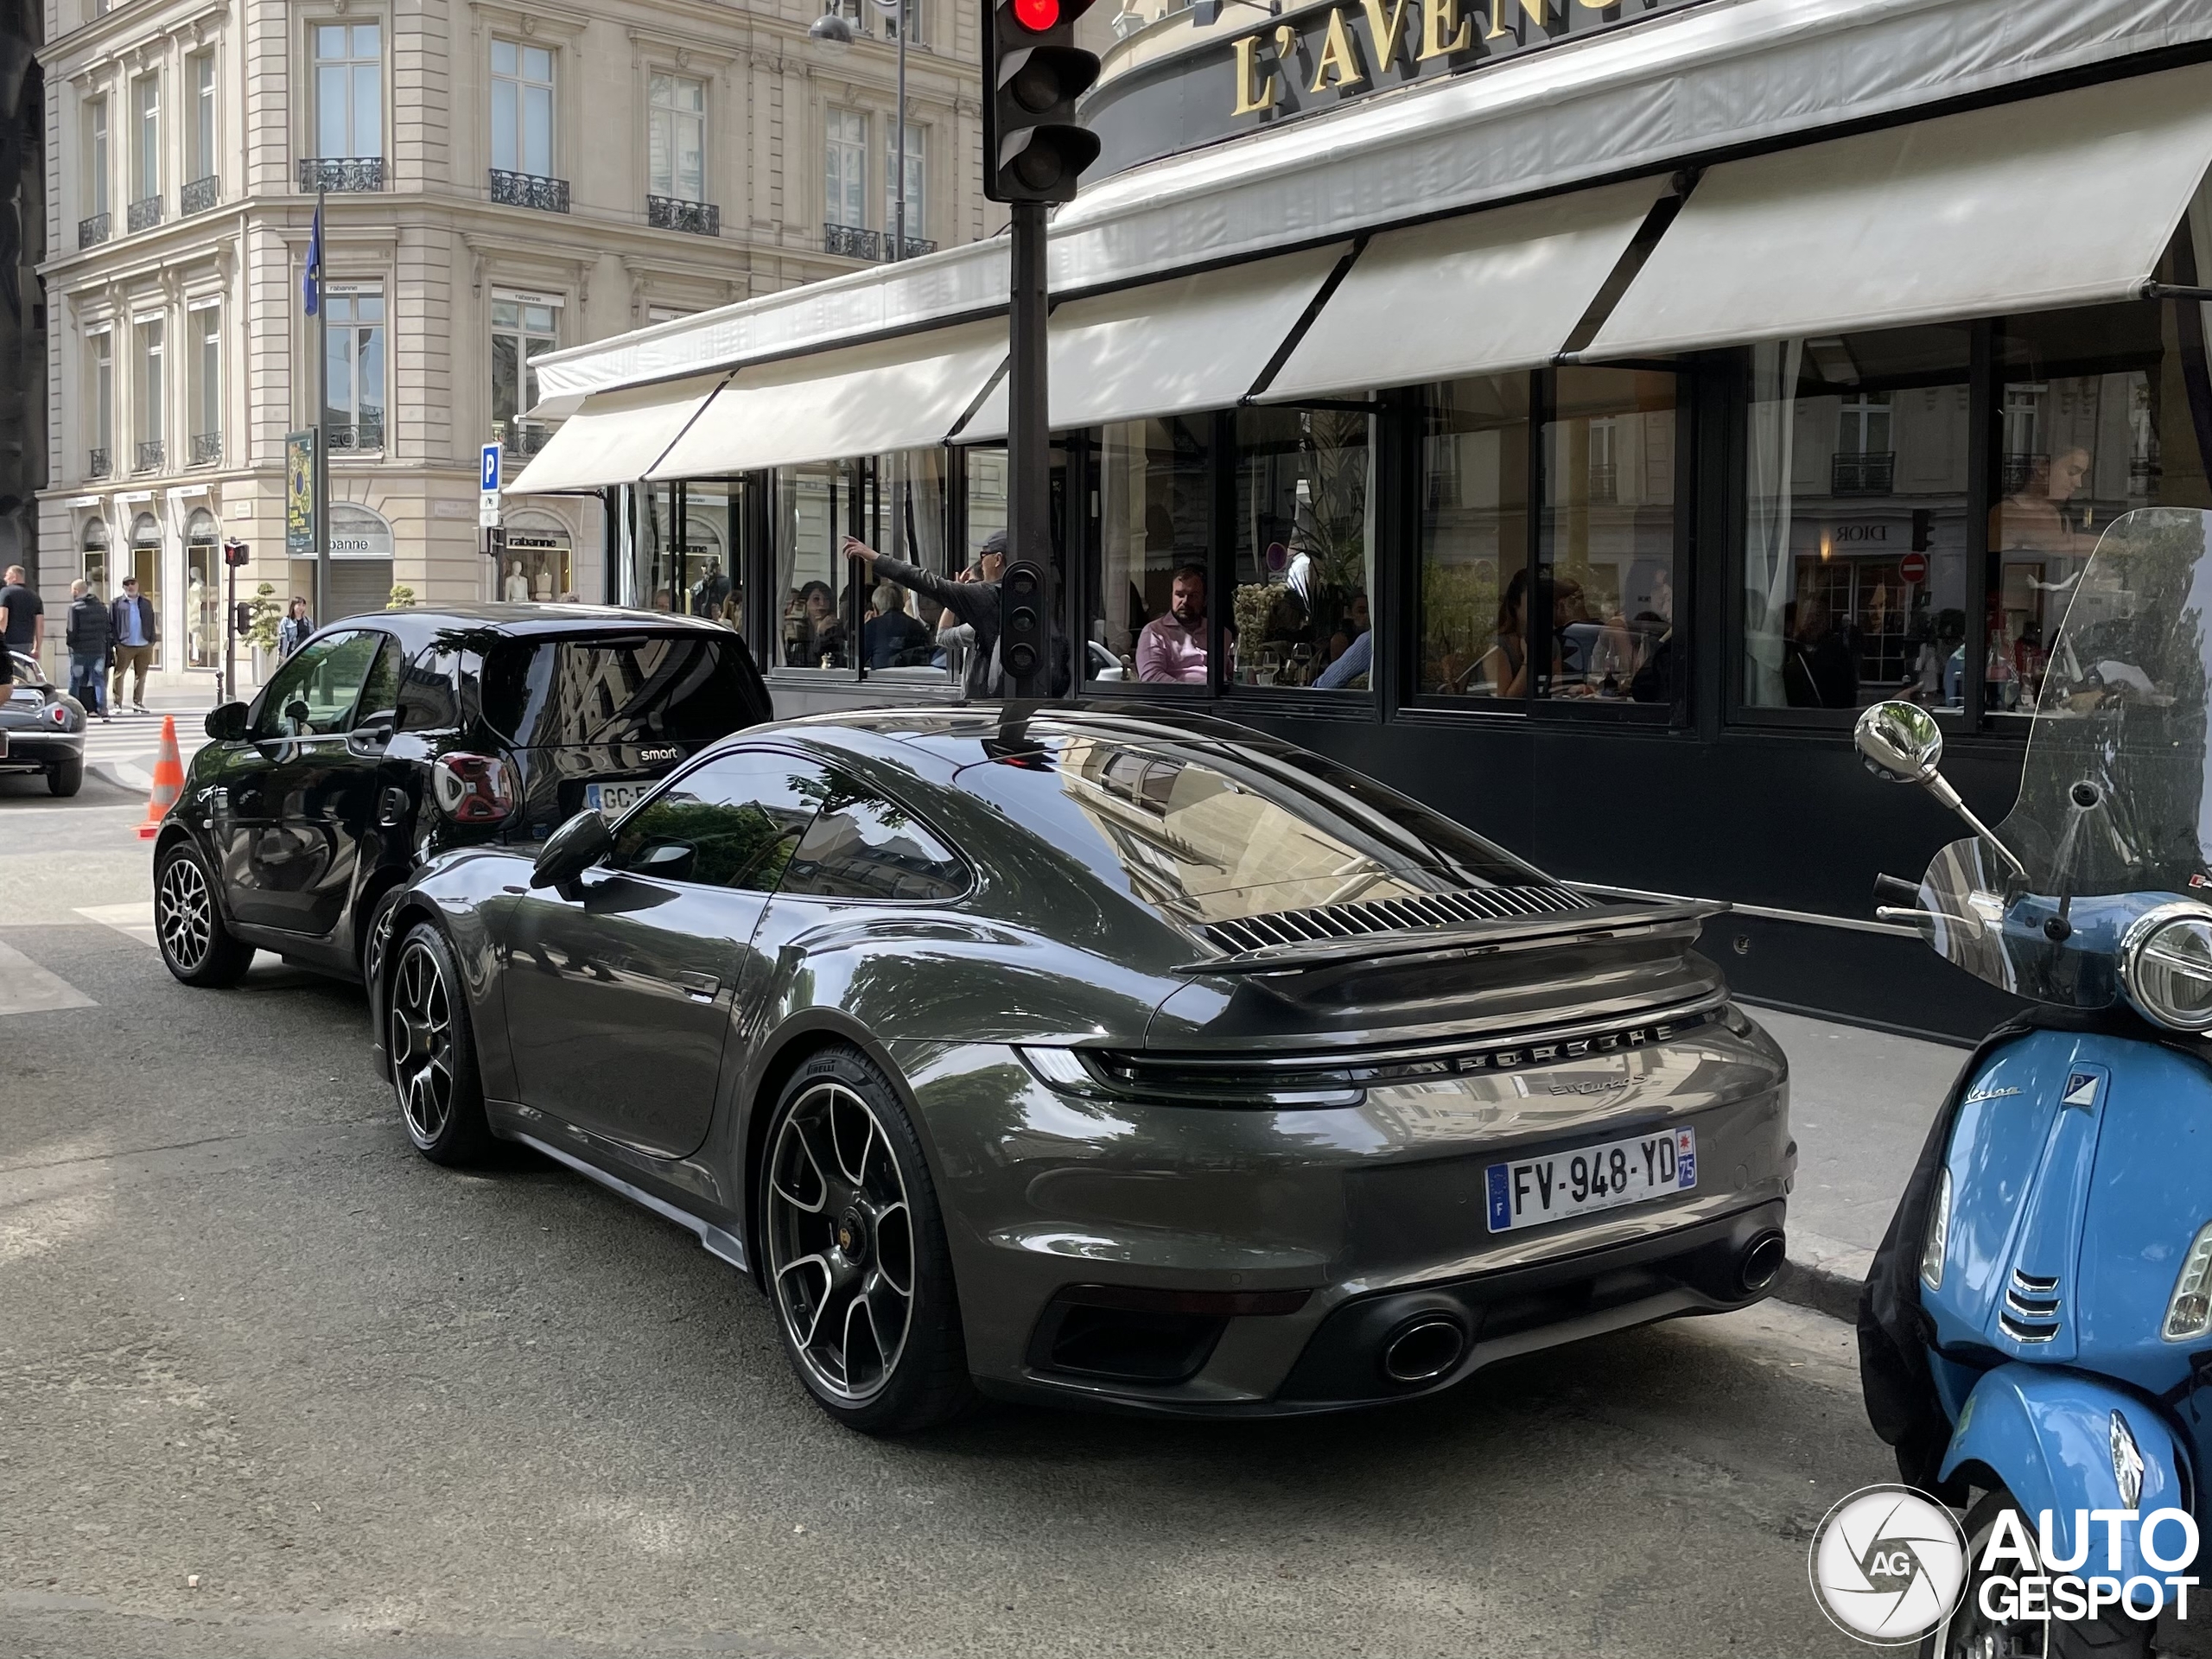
(152, 426)
(348, 91)
(200, 73)
(1155, 508)
(911, 16)
(1304, 552)
(355, 409)
(2097, 420)
(1474, 538)
(98, 163)
(1855, 537)
(99, 402)
(676, 137)
(146, 138)
(522, 109)
(1608, 534)
(917, 220)
(206, 332)
(845, 169)
(522, 329)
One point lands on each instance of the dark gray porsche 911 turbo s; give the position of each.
(1097, 1056)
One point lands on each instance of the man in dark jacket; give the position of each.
(975, 603)
(90, 632)
(137, 632)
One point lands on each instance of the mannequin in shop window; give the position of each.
(517, 588)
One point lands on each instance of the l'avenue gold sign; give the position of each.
(1206, 78)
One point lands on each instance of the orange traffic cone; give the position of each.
(168, 781)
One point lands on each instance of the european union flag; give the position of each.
(311, 279)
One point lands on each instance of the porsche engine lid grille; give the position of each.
(1389, 915)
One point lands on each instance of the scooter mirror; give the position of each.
(1899, 741)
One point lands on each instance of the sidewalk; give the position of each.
(1860, 1103)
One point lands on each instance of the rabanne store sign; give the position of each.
(1229, 79)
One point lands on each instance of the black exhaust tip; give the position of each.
(1762, 1262)
(1424, 1348)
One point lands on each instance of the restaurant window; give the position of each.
(1150, 618)
(355, 410)
(908, 519)
(1474, 537)
(1609, 529)
(815, 508)
(696, 569)
(1304, 548)
(676, 137)
(844, 164)
(2097, 419)
(522, 109)
(349, 91)
(1854, 583)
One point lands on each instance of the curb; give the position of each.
(1823, 1274)
(122, 774)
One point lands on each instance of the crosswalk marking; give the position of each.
(127, 745)
(25, 988)
(135, 920)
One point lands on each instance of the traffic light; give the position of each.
(242, 618)
(1024, 603)
(1033, 71)
(234, 552)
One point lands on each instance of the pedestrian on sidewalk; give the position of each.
(22, 620)
(292, 632)
(137, 632)
(91, 632)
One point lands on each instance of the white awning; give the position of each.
(1479, 295)
(2065, 199)
(1169, 348)
(897, 394)
(615, 436)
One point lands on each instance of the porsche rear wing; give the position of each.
(1681, 918)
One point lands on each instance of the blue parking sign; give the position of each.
(491, 468)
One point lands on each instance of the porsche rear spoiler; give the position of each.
(1682, 917)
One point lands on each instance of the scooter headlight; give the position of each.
(2165, 964)
(2189, 1309)
(1939, 1234)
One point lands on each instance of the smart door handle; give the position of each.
(701, 988)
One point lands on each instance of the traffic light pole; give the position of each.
(1028, 442)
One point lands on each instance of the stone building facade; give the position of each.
(502, 178)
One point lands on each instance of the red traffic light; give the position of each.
(1036, 16)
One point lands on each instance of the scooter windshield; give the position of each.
(2114, 814)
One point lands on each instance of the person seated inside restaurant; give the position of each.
(814, 637)
(1172, 647)
(892, 636)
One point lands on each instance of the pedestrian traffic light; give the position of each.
(1034, 151)
(234, 552)
(242, 618)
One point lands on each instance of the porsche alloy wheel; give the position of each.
(196, 946)
(433, 1053)
(857, 1258)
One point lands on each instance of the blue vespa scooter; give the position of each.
(2037, 1326)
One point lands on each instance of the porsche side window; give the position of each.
(313, 693)
(865, 847)
(732, 823)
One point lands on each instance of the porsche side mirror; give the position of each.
(225, 722)
(570, 850)
(1899, 741)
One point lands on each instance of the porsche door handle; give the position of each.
(700, 988)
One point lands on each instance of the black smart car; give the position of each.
(390, 737)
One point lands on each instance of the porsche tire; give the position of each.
(432, 1045)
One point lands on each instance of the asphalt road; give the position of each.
(270, 1383)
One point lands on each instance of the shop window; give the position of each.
(95, 547)
(1609, 529)
(203, 591)
(2098, 416)
(1304, 548)
(1854, 581)
(1149, 620)
(1474, 537)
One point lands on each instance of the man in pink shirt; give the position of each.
(1173, 647)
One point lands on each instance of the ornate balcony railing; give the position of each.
(145, 214)
(852, 242)
(528, 190)
(916, 246)
(207, 448)
(98, 463)
(151, 453)
(2019, 470)
(524, 438)
(1868, 471)
(337, 174)
(1604, 480)
(198, 196)
(674, 213)
(91, 232)
(366, 434)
